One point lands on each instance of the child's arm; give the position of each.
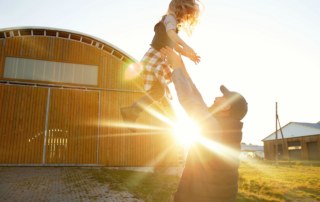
(174, 37)
(180, 50)
(195, 59)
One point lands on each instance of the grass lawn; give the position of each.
(258, 181)
(261, 181)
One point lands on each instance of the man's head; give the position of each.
(230, 104)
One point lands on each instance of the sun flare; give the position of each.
(186, 132)
(133, 70)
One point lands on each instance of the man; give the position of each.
(211, 170)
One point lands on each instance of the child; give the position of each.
(156, 73)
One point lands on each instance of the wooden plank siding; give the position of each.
(22, 124)
(269, 146)
(74, 117)
(120, 147)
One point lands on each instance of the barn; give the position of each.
(60, 94)
(301, 141)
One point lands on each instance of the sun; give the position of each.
(186, 132)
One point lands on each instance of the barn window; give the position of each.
(41, 70)
(294, 145)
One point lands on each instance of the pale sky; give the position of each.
(267, 50)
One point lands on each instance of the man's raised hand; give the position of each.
(175, 60)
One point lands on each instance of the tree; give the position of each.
(243, 143)
(250, 144)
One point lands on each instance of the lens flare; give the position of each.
(133, 70)
(186, 132)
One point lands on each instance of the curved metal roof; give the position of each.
(68, 34)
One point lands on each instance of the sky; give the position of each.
(267, 50)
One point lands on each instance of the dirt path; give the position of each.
(55, 184)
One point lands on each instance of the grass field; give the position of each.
(259, 181)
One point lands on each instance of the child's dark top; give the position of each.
(161, 39)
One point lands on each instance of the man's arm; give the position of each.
(189, 52)
(189, 101)
(192, 106)
(193, 87)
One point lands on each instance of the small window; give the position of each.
(294, 147)
(41, 70)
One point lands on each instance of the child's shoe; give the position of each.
(129, 117)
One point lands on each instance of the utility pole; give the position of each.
(276, 134)
(284, 142)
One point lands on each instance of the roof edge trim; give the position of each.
(70, 31)
(276, 131)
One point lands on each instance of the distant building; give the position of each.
(302, 140)
(251, 151)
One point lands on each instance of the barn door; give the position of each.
(72, 129)
(295, 150)
(22, 124)
(313, 150)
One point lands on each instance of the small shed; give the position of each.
(302, 140)
(251, 150)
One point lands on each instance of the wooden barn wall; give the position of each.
(117, 146)
(147, 147)
(22, 124)
(269, 146)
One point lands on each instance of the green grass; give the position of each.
(258, 181)
(262, 181)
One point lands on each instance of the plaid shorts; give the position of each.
(155, 67)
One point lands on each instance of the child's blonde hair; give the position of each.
(187, 13)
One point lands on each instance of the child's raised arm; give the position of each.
(195, 58)
(174, 37)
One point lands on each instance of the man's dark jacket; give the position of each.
(211, 170)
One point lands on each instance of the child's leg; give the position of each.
(156, 93)
(130, 114)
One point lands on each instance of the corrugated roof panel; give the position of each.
(315, 125)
